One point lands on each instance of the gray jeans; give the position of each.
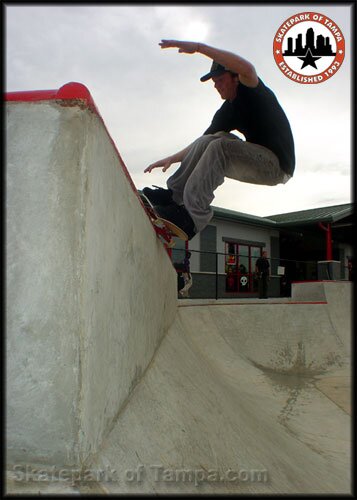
(210, 159)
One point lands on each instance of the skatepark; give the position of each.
(113, 385)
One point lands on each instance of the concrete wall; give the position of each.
(203, 265)
(242, 232)
(226, 229)
(90, 288)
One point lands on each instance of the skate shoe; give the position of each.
(178, 215)
(158, 196)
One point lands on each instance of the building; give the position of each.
(300, 245)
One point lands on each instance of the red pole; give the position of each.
(328, 240)
(329, 243)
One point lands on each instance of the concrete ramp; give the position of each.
(338, 295)
(90, 289)
(232, 403)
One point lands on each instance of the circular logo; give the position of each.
(309, 48)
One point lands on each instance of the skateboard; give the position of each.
(164, 228)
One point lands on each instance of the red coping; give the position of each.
(69, 91)
(72, 91)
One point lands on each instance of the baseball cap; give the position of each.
(216, 69)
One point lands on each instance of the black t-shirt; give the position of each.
(262, 265)
(257, 114)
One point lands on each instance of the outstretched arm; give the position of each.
(231, 61)
(169, 160)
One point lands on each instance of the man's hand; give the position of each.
(165, 163)
(169, 160)
(234, 62)
(186, 47)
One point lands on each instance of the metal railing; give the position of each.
(220, 275)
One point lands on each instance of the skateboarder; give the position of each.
(265, 157)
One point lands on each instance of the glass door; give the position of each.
(231, 267)
(240, 267)
(243, 274)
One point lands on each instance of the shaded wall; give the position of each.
(90, 289)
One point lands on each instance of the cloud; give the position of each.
(182, 23)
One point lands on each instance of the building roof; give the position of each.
(324, 214)
(314, 215)
(225, 214)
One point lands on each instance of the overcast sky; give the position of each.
(153, 102)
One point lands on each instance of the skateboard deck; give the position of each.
(164, 228)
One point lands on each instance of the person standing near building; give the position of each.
(351, 269)
(262, 269)
(186, 276)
